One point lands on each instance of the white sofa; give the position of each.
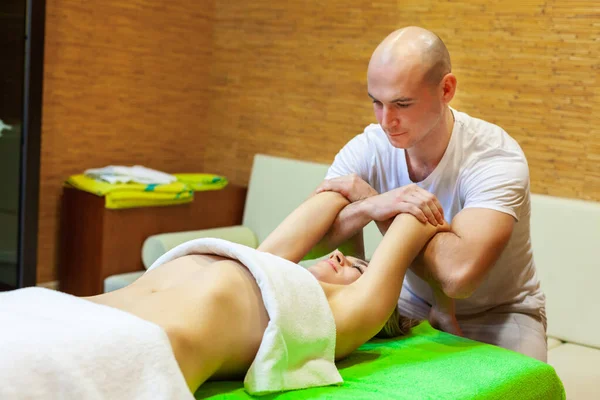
(566, 245)
(566, 249)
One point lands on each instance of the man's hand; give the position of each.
(444, 321)
(442, 315)
(352, 187)
(407, 199)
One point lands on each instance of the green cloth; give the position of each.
(427, 364)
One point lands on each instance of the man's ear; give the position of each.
(448, 87)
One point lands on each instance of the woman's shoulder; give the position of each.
(349, 334)
(330, 290)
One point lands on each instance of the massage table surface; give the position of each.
(427, 364)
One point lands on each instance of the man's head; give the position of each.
(411, 83)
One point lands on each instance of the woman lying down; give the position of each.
(211, 309)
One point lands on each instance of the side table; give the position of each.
(96, 242)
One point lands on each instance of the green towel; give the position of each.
(427, 364)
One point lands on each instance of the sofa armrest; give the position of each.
(119, 281)
(157, 245)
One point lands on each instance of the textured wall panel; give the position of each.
(289, 79)
(126, 82)
(188, 85)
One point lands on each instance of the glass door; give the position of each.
(12, 58)
(21, 71)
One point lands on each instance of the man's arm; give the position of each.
(442, 314)
(367, 205)
(459, 260)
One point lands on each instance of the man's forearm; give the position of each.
(460, 260)
(441, 264)
(348, 223)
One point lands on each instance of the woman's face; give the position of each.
(339, 269)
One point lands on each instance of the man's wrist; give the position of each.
(364, 208)
(363, 196)
(373, 193)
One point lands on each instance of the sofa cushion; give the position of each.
(157, 245)
(553, 342)
(277, 186)
(577, 367)
(119, 281)
(564, 234)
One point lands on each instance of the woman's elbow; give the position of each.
(334, 196)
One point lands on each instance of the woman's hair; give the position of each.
(397, 325)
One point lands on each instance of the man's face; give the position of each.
(406, 106)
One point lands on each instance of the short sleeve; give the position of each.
(354, 158)
(499, 182)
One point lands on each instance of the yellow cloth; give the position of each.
(201, 182)
(133, 199)
(130, 195)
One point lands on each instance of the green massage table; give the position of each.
(427, 364)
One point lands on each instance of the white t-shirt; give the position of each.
(482, 167)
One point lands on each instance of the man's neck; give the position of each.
(424, 157)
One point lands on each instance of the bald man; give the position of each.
(428, 159)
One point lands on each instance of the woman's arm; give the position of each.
(362, 308)
(304, 227)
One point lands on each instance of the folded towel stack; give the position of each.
(129, 187)
(137, 174)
